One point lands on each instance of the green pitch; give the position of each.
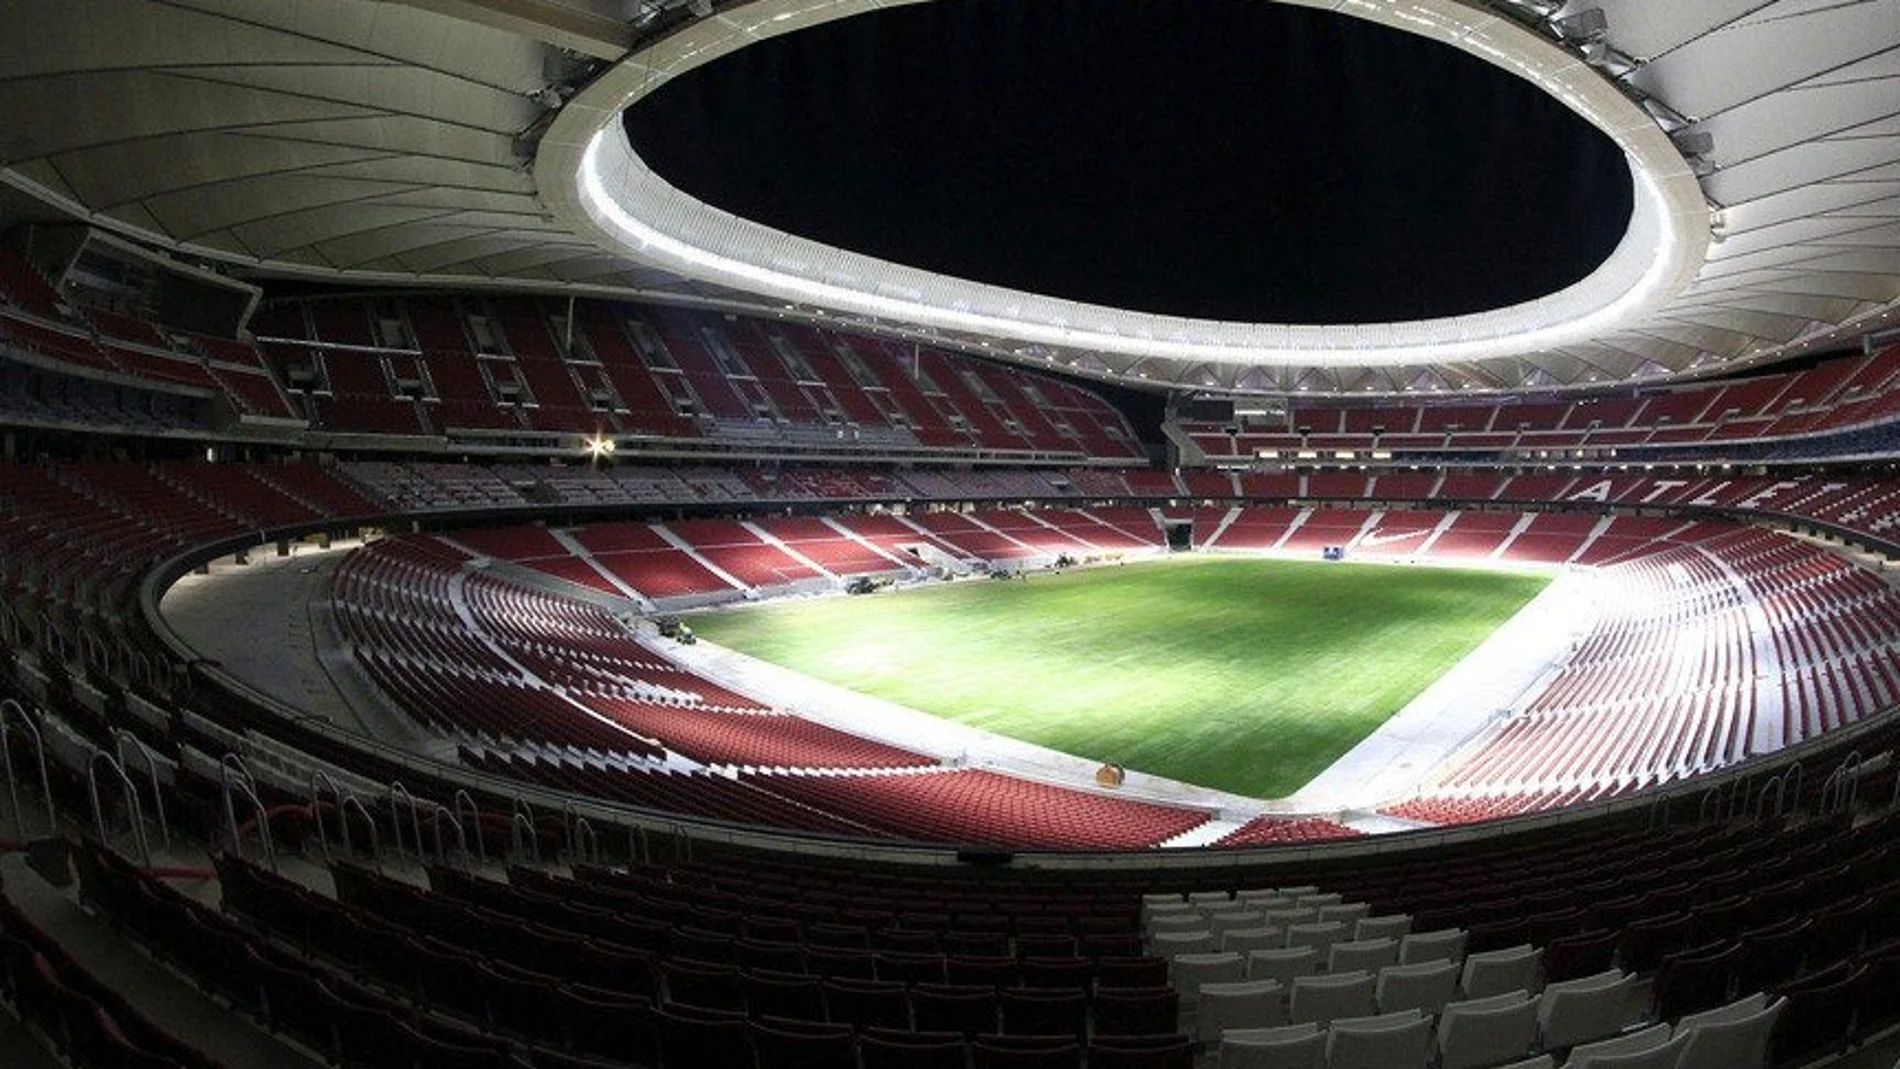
(1246, 675)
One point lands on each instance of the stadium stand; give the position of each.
(1775, 410)
(1753, 905)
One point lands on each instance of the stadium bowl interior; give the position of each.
(396, 396)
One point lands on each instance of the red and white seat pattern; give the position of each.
(554, 690)
(1715, 643)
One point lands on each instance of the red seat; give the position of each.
(965, 1009)
(1025, 1052)
(882, 1048)
(1162, 1051)
(704, 1039)
(784, 1044)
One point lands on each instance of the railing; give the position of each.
(584, 845)
(12, 631)
(102, 758)
(1841, 790)
(399, 796)
(344, 801)
(440, 814)
(234, 780)
(455, 803)
(121, 737)
(11, 711)
(52, 638)
(522, 840)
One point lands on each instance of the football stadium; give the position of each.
(954, 534)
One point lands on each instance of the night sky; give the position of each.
(1225, 160)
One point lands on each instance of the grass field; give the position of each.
(1246, 675)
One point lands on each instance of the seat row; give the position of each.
(1501, 1033)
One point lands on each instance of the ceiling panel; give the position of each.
(375, 140)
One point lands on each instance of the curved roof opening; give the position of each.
(1246, 162)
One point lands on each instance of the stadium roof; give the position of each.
(402, 142)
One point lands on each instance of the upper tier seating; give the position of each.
(1835, 395)
(431, 366)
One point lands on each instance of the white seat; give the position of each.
(1174, 944)
(1588, 1008)
(1189, 921)
(1488, 1002)
(1239, 1004)
(1219, 923)
(1301, 1046)
(1665, 1056)
(1318, 934)
(1493, 972)
(1218, 905)
(1469, 1038)
(1635, 1043)
(1153, 906)
(1390, 924)
(1746, 1006)
(1246, 939)
(1208, 898)
(1289, 915)
(1541, 1061)
(1190, 971)
(1347, 913)
(1369, 955)
(1427, 986)
(1740, 1043)
(1265, 898)
(1318, 898)
(1283, 963)
(1320, 999)
(1389, 1041)
(1446, 943)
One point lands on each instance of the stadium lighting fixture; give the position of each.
(1590, 24)
(599, 447)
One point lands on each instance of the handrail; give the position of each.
(32, 731)
(1849, 771)
(318, 777)
(235, 777)
(516, 839)
(99, 756)
(375, 833)
(1710, 809)
(461, 795)
(435, 823)
(398, 792)
(94, 650)
(1779, 787)
(144, 668)
(122, 736)
(1830, 790)
(584, 845)
(52, 637)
